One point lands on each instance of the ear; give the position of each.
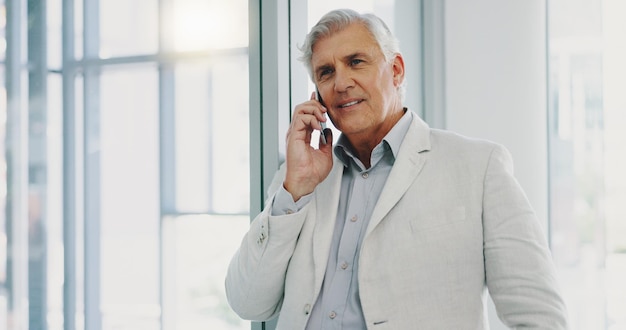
(397, 65)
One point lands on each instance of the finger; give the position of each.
(294, 135)
(328, 134)
(316, 96)
(310, 108)
(305, 110)
(302, 127)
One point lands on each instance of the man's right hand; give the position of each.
(307, 166)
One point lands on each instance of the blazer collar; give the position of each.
(406, 169)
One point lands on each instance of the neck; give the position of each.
(364, 143)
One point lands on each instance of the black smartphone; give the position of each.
(319, 97)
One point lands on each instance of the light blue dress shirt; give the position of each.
(338, 305)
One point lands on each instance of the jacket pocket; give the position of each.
(432, 218)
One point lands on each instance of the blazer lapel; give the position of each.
(326, 204)
(406, 168)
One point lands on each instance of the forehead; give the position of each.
(355, 38)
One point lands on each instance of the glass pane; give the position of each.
(231, 136)
(54, 195)
(78, 28)
(130, 216)
(212, 136)
(55, 41)
(79, 253)
(207, 24)
(197, 253)
(614, 100)
(128, 27)
(193, 110)
(587, 148)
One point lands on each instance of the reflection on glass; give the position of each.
(209, 24)
(587, 142)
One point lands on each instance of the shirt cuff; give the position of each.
(284, 204)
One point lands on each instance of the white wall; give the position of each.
(495, 85)
(495, 62)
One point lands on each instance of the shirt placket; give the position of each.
(355, 219)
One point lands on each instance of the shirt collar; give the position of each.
(393, 140)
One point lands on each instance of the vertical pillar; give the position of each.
(70, 173)
(37, 164)
(17, 167)
(92, 261)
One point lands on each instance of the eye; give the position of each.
(324, 72)
(355, 61)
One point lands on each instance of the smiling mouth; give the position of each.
(349, 104)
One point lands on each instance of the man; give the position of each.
(398, 226)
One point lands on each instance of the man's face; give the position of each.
(357, 84)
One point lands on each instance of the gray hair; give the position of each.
(339, 19)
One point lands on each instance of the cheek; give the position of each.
(346, 122)
(336, 120)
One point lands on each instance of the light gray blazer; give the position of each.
(451, 222)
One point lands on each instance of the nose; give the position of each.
(343, 80)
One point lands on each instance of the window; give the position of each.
(126, 126)
(588, 185)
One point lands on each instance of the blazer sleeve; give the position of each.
(520, 274)
(256, 274)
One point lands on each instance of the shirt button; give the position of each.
(354, 218)
(365, 175)
(332, 315)
(344, 265)
(307, 309)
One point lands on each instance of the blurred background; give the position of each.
(137, 138)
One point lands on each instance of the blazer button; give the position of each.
(261, 238)
(307, 309)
